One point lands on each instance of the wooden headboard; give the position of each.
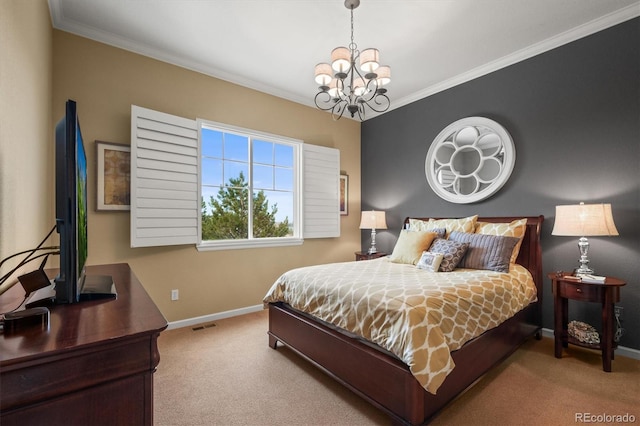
(530, 255)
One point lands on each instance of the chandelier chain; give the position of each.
(352, 46)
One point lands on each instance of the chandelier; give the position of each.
(343, 86)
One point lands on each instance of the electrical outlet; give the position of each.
(617, 311)
(175, 295)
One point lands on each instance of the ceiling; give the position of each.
(273, 45)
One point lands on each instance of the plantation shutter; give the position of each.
(165, 194)
(321, 192)
(164, 179)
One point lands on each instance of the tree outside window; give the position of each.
(235, 166)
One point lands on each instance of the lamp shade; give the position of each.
(323, 74)
(373, 220)
(384, 75)
(584, 220)
(341, 59)
(369, 60)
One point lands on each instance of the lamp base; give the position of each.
(583, 269)
(583, 246)
(373, 249)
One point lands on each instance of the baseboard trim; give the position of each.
(620, 350)
(546, 332)
(214, 317)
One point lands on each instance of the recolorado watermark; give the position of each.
(604, 418)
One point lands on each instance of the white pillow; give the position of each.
(430, 261)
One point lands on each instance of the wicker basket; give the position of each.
(583, 332)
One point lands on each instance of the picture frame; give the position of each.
(344, 195)
(113, 176)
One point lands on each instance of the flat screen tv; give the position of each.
(72, 283)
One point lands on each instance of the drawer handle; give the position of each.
(578, 290)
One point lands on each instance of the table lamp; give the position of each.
(584, 220)
(373, 220)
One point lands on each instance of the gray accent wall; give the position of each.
(574, 115)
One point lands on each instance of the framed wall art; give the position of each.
(113, 176)
(344, 195)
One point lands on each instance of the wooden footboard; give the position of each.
(384, 380)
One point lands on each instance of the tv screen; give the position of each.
(72, 284)
(81, 200)
(71, 206)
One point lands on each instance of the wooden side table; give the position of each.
(607, 294)
(363, 255)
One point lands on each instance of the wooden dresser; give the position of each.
(93, 366)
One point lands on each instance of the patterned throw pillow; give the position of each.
(490, 252)
(418, 224)
(410, 246)
(452, 252)
(515, 228)
(440, 232)
(465, 224)
(430, 261)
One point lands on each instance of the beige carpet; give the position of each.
(227, 375)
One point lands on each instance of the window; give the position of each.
(179, 164)
(249, 183)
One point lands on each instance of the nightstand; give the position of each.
(607, 294)
(363, 255)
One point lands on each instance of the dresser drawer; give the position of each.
(581, 291)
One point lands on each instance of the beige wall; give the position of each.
(105, 82)
(26, 133)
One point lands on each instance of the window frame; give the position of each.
(297, 238)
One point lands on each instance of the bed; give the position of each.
(382, 378)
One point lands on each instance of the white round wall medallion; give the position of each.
(470, 160)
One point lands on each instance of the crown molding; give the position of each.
(599, 24)
(602, 23)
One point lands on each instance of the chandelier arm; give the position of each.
(371, 91)
(341, 94)
(384, 104)
(373, 82)
(327, 101)
(351, 78)
(337, 110)
(337, 106)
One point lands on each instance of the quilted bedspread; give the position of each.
(419, 316)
